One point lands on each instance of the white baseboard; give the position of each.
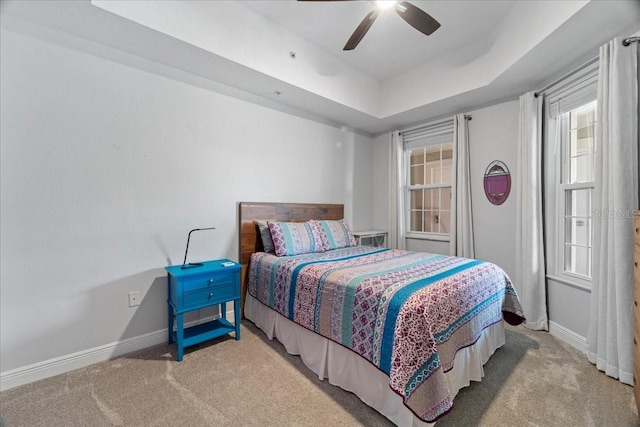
(69, 362)
(577, 341)
(59, 365)
(81, 359)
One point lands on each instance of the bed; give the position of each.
(404, 331)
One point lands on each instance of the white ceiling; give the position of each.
(288, 54)
(391, 46)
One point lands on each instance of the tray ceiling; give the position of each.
(288, 54)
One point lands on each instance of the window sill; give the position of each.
(569, 282)
(424, 236)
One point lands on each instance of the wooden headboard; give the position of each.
(250, 212)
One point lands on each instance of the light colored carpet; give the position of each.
(533, 380)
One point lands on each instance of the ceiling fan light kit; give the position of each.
(385, 4)
(412, 15)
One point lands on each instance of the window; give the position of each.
(429, 187)
(576, 189)
(428, 170)
(429, 190)
(570, 150)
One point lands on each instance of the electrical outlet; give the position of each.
(134, 299)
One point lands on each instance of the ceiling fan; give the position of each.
(414, 16)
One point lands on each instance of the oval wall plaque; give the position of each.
(497, 182)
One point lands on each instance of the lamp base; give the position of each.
(192, 265)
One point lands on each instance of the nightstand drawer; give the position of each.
(211, 296)
(207, 282)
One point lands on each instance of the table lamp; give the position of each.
(192, 264)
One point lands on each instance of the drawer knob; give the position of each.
(635, 263)
(637, 229)
(210, 295)
(210, 282)
(634, 341)
(635, 303)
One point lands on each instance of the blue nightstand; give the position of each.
(197, 287)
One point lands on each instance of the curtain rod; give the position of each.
(629, 40)
(625, 42)
(569, 74)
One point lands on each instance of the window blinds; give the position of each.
(434, 133)
(572, 92)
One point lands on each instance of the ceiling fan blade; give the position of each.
(417, 18)
(362, 29)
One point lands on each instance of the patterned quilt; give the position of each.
(408, 313)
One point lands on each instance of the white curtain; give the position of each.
(461, 240)
(396, 194)
(610, 337)
(530, 281)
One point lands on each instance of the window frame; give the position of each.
(577, 89)
(408, 188)
(563, 187)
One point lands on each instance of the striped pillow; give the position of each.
(294, 238)
(336, 234)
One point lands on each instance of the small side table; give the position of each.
(197, 287)
(371, 238)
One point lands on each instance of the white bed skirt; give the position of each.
(349, 371)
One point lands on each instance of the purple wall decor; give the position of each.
(497, 182)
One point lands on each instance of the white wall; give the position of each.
(104, 170)
(380, 181)
(493, 135)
